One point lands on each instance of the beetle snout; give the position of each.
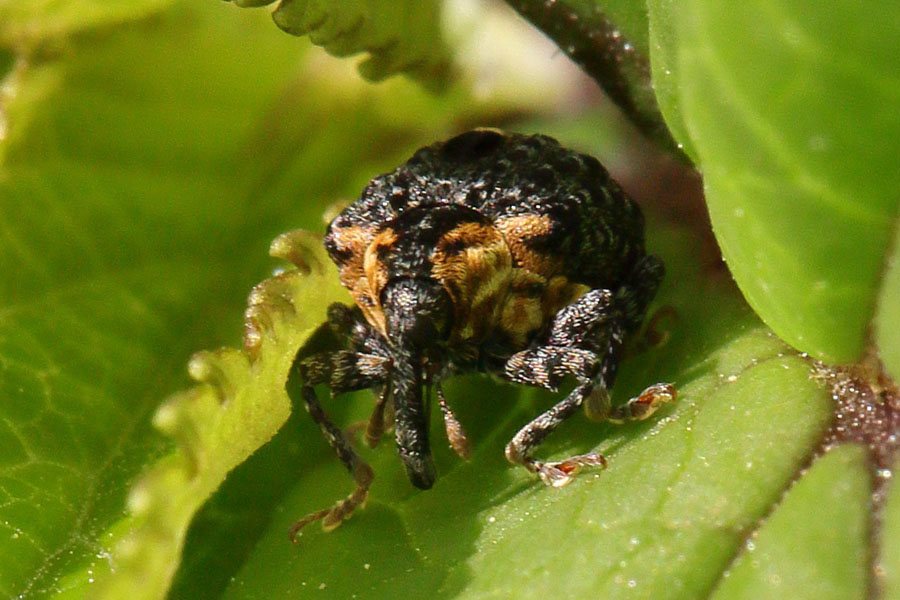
(417, 312)
(420, 470)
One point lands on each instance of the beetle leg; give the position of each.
(585, 342)
(456, 435)
(643, 405)
(375, 427)
(634, 297)
(360, 471)
(345, 371)
(546, 367)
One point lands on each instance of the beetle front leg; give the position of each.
(585, 341)
(345, 371)
(546, 367)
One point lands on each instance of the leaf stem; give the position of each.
(584, 32)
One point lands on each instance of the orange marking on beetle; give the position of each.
(356, 241)
(367, 287)
(520, 229)
(353, 240)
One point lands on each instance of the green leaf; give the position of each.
(400, 36)
(889, 563)
(833, 538)
(888, 315)
(783, 106)
(664, 36)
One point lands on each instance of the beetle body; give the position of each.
(492, 252)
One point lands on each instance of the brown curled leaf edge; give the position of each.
(239, 404)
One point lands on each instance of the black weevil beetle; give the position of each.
(499, 253)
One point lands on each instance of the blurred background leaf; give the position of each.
(400, 36)
(27, 25)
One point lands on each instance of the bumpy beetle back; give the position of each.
(516, 223)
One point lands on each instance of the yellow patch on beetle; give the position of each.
(531, 301)
(521, 314)
(561, 292)
(474, 264)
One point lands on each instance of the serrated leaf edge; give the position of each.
(239, 403)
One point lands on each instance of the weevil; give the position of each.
(491, 252)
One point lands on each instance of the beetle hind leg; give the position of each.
(639, 408)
